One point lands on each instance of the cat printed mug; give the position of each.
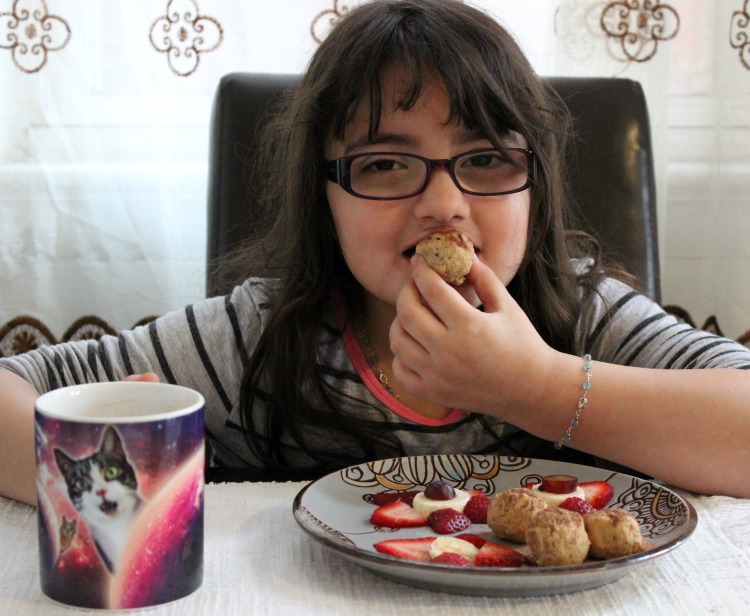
(120, 470)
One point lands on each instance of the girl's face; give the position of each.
(377, 238)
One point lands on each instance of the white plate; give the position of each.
(335, 511)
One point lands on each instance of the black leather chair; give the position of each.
(611, 167)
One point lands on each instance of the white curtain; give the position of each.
(104, 138)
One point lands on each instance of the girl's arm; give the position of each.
(17, 458)
(690, 428)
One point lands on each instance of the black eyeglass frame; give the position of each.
(339, 172)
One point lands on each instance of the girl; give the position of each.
(343, 346)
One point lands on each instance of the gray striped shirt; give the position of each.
(206, 345)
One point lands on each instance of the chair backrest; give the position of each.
(611, 167)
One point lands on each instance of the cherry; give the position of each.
(440, 490)
(559, 484)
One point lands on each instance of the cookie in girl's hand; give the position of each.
(449, 253)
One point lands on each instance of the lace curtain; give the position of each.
(104, 139)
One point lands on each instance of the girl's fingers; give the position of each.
(146, 377)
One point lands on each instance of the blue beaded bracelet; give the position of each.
(583, 402)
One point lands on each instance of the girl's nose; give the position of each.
(441, 200)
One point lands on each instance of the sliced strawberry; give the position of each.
(493, 554)
(475, 540)
(410, 549)
(397, 515)
(383, 498)
(448, 521)
(597, 493)
(451, 558)
(576, 504)
(476, 509)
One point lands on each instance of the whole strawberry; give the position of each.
(448, 521)
(576, 504)
(383, 498)
(476, 509)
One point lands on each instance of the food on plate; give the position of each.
(440, 495)
(613, 533)
(597, 493)
(511, 510)
(464, 550)
(561, 521)
(553, 499)
(448, 521)
(453, 545)
(493, 554)
(397, 514)
(555, 489)
(557, 537)
(449, 253)
(408, 549)
(476, 508)
(573, 503)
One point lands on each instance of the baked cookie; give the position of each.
(557, 537)
(613, 533)
(449, 253)
(510, 512)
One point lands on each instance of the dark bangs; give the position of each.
(483, 87)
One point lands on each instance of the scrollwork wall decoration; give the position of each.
(183, 35)
(30, 32)
(578, 29)
(325, 20)
(739, 33)
(638, 26)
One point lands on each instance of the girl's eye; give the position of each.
(485, 160)
(384, 164)
(111, 472)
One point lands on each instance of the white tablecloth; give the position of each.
(259, 561)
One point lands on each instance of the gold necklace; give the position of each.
(372, 357)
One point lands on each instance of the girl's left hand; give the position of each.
(449, 352)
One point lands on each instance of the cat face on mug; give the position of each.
(104, 489)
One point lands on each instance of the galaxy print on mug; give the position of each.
(120, 510)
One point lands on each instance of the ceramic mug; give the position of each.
(120, 493)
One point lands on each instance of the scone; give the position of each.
(449, 253)
(510, 512)
(613, 533)
(557, 537)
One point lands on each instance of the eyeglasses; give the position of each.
(395, 175)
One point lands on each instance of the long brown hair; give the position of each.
(492, 88)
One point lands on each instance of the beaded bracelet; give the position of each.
(583, 402)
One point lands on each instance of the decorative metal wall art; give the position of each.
(325, 20)
(578, 28)
(183, 35)
(739, 33)
(638, 26)
(30, 32)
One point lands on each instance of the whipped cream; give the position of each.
(553, 500)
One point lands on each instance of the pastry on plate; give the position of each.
(613, 533)
(510, 512)
(557, 537)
